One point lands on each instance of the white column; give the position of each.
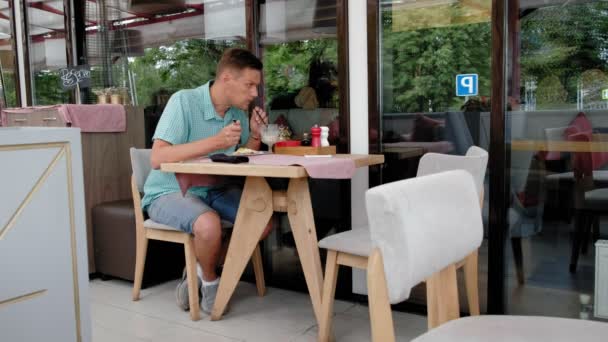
(18, 34)
(359, 140)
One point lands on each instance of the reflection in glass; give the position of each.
(557, 119)
(299, 47)
(8, 76)
(424, 45)
(47, 51)
(153, 49)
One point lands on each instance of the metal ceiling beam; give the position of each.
(44, 7)
(155, 20)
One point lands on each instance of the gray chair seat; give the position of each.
(149, 223)
(356, 241)
(597, 199)
(517, 328)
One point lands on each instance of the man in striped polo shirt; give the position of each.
(209, 119)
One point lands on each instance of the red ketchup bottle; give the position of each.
(315, 131)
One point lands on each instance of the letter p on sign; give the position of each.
(466, 84)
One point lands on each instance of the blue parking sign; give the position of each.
(466, 84)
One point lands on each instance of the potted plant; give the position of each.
(115, 95)
(103, 95)
(124, 94)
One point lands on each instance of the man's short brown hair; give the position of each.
(238, 59)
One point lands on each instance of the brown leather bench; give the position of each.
(114, 246)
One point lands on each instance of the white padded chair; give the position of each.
(517, 328)
(148, 229)
(426, 246)
(412, 243)
(352, 248)
(475, 162)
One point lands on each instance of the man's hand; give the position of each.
(230, 135)
(258, 119)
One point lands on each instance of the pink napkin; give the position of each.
(101, 118)
(316, 167)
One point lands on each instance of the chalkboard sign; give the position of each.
(75, 75)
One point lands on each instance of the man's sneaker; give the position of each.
(181, 292)
(208, 297)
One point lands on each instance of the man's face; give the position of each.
(243, 87)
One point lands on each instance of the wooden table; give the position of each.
(258, 202)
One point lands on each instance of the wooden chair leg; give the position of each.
(258, 270)
(329, 292)
(192, 279)
(448, 307)
(141, 250)
(431, 302)
(519, 259)
(380, 314)
(471, 282)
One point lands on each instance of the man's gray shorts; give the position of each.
(181, 212)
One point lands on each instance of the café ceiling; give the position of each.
(159, 22)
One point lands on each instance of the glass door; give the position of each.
(557, 86)
(434, 87)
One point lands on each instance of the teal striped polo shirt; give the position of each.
(189, 116)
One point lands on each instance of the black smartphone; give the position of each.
(224, 158)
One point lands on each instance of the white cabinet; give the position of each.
(43, 255)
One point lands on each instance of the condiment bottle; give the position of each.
(324, 136)
(315, 131)
(305, 139)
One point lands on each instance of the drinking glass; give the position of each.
(270, 135)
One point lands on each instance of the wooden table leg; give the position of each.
(299, 211)
(253, 215)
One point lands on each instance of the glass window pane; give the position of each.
(299, 47)
(8, 74)
(426, 47)
(556, 116)
(47, 50)
(147, 51)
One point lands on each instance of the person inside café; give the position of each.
(195, 122)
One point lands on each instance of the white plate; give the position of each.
(249, 154)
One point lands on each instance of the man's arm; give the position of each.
(165, 152)
(253, 142)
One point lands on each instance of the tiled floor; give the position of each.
(279, 316)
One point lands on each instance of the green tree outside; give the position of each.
(185, 64)
(419, 65)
